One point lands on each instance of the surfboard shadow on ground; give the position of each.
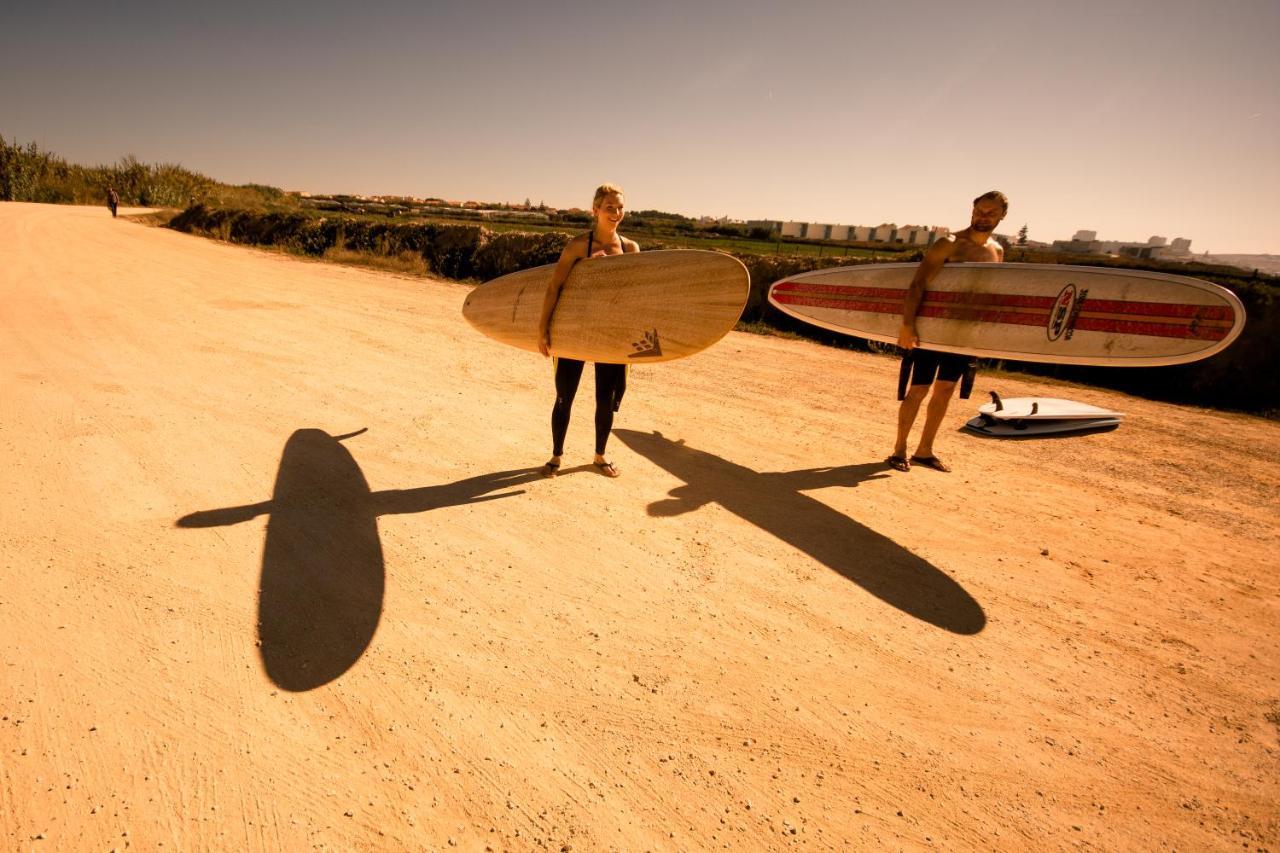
(774, 503)
(323, 575)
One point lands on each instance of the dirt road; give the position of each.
(278, 573)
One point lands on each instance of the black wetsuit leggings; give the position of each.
(611, 383)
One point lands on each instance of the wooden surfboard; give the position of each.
(1054, 314)
(641, 307)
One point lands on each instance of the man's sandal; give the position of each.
(608, 469)
(931, 462)
(550, 469)
(898, 463)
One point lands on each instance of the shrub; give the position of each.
(515, 250)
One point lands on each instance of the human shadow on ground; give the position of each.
(774, 503)
(323, 576)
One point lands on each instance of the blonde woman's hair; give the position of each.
(605, 190)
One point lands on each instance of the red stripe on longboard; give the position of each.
(981, 315)
(945, 312)
(1160, 309)
(1011, 300)
(839, 304)
(978, 313)
(1153, 330)
(1195, 313)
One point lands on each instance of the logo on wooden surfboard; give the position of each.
(650, 346)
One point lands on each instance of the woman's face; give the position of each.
(610, 210)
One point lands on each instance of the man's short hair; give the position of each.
(605, 190)
(994, 195)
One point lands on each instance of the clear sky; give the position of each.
(1131, 118)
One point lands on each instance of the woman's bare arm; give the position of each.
(574, 252)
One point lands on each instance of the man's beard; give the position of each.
(984, 228)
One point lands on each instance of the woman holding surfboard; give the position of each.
(611, 379)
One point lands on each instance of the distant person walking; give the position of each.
(608, 208)
(922, 368)
(113, 200)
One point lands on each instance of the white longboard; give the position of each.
(1053, 314)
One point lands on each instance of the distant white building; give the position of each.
(886, 232)
(914, 235)
(1179, 249)
(824, 231)
(1087, 243)
(883, 233)
(1077, 246)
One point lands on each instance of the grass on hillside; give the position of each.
(405, 263)
(649, 238)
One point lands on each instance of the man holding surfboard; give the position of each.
(603, 239)
(926, 368)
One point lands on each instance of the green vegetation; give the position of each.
(654, 229)
(29, 174)
(454, 250)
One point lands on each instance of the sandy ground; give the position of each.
(223, 625)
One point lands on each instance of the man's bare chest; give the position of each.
(971, 253)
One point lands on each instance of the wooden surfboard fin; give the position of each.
(1035, 407)
(995, 398)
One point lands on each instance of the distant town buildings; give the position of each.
(1156, 247)
(1083, 242)
(887, 232)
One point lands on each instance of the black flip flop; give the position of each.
(931, 462)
